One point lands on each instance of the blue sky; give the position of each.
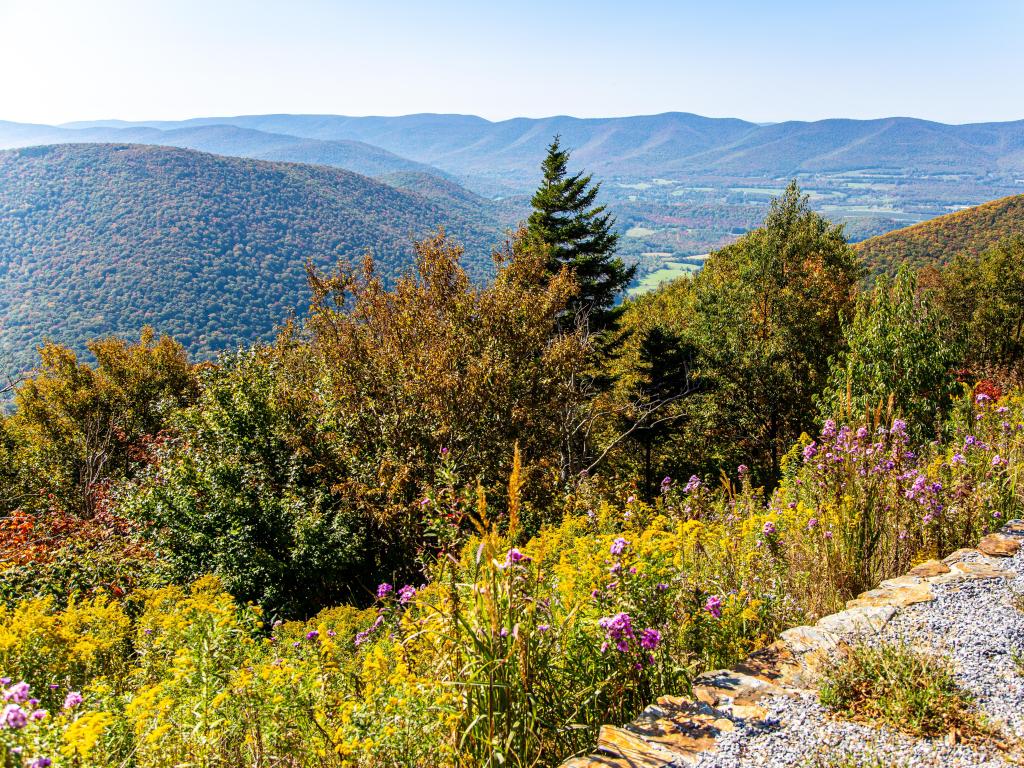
(139, 59)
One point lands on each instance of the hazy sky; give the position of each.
(66, 60)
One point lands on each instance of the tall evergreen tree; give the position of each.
(665, 374)
(580, 236)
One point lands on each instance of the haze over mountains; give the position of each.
(665, 144)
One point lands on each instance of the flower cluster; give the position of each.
(620, 634)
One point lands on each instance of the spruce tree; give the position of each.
(580, 235)
(665, 373)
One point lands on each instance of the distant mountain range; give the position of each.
(224, 139)
(98, 239)
(668, 144)
(937, 241)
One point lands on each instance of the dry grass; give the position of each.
(902, 688)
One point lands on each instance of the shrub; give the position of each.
(240, 493)
(902, 688)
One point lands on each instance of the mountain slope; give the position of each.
(98, 239)
(355, 156)
(937, 241)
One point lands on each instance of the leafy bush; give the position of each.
(902, 688)
(238, 494)
(898, 360)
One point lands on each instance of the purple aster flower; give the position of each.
(981, 397)
(958, 459)
(406, 593)
(998, 461)
(810, 450)
(631, 499)
(39, 714)
(619, 546)
(543, 627)
(899, 427)
(812, 523)
(666, 482)
(17, 693)
(312, 634)
(829, 430)
(692, 484)
(384, 590)
(768, 529)
(662, 587)
(41, 762)
(862, 433)
(13, 717)
(514, 556)
(714, 606)
(650, 639)
(742, 469)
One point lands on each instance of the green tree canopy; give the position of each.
(897, 358)
(78, 426)
(580, 236)
(983, 298)
(768, 316)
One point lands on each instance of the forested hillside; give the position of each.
(355, 156)
(98, 239)
(937, 241)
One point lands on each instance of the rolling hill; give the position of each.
(355, 156)
(937, 241)
(98, 239)
(667, 144)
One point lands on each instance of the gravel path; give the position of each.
(973, 623)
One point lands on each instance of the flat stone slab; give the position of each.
(979, 570)
(928, 569)
(732, 687)
(958, 555)
(686, 739)
(998, 545)
(802, 640)
(598, 761)
(909, 594)
(1014, 526)
(640, 752)
(864, 620)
